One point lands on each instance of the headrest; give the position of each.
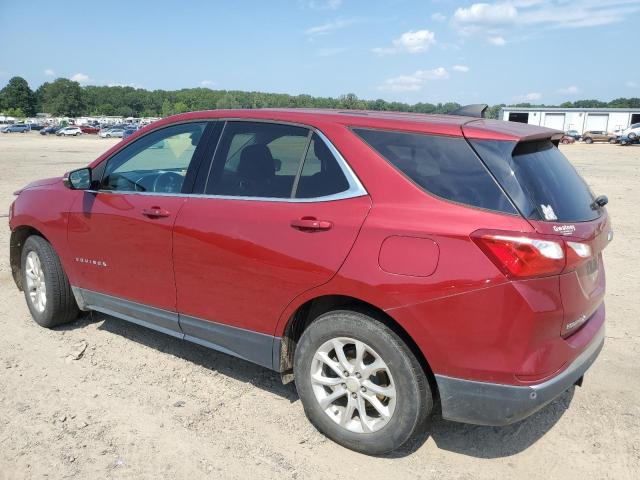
(256, 163)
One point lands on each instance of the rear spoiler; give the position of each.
(477, 110)
(485, 129)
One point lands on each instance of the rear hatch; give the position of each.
(551, 195)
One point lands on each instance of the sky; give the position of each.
(538, 51)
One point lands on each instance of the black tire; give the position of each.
(414, 401)
(588, 140)
(61, 306)
(632, 135)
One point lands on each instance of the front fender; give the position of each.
(44, 210)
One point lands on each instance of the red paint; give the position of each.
(117, 230)
(413, 256)
(241, 262)
(252, 264)
(88, 129)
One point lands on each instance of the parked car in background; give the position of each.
(128, 132)
(116, 132)
(627, 140)
(573, 134)
(16, 128)
(592, 136)
(36, 126)
(50, 130)
(566, 139)
(633, 131)
(390, 264)
(69, 131)
(89, 129)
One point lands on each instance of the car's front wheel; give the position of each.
(360, 384)
(588, 140)
(45, 284)
(632, 135)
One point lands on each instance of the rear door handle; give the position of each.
(155, 212)
(311, 224)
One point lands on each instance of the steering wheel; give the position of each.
(168, 182)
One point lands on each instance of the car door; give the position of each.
(278, 215)
(120, 233)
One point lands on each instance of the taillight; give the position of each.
(520, 255)
(577, 254)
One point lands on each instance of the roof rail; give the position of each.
(477, 110)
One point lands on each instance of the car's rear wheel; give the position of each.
(45, 284)
(360, 384)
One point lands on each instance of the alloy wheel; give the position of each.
(353, 385)
(36, 285)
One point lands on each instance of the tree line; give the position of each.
(64, 97)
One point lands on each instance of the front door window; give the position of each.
(156, 163)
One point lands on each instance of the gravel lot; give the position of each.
(140, 404)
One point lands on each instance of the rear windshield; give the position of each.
(444, 166)
(539, 179)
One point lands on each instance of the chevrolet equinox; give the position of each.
(390, 264)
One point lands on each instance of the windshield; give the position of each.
(539, 179)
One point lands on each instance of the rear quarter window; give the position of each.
(443, 166)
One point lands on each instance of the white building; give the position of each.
(580, 119)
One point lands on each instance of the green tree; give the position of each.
(17, 94)
(125, 111)
(15, 112)
(494, 111)
(180, 107)
(589, 104)
(64, 97)
(39, 96)
(350, 102)
(227, 101)
(166, 108)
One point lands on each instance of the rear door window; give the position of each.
(257, 159)
(443, 166)
(539, 179)
(270, 160)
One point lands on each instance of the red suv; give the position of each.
(391, 264)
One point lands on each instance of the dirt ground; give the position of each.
(138, 404)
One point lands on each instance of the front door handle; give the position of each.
(155, 212)
(311, 224)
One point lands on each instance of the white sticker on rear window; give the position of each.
(547, 211)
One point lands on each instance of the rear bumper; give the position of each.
(483, 403)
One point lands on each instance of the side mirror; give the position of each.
(78, 179)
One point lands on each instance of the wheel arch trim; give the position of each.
(17, 238)
(304, 314)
